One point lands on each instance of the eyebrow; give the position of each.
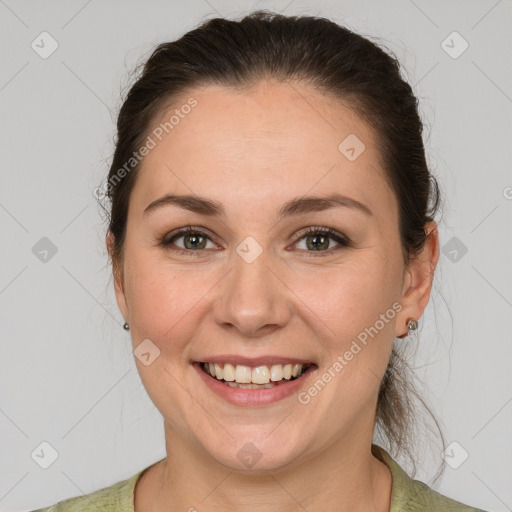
(294, 207)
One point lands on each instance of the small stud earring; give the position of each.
(126, 327)
(412, 325)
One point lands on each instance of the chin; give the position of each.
(256, 456)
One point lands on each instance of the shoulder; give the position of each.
(115, 498)
(423, 498)
(410, 495)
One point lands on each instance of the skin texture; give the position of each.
(253, 151)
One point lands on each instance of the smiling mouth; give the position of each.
(259, 377)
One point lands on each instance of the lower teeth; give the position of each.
(248, 386)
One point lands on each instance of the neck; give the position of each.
(345, 477)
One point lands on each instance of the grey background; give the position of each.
(67, 372)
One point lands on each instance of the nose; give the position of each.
(253, 299)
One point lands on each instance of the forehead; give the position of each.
(272, 142)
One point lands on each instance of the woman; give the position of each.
(272, 234)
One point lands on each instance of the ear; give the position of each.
(118, 276)
(418, 280)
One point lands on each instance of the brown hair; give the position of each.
(333, 59)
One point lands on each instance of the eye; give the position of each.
(194, 240)
(317, 239)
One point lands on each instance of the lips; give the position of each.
(253, 381)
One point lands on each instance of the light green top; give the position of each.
(407, 495)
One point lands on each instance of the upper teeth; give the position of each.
(258, 375)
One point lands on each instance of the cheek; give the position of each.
(156, 302)
(167, 302)
(358, 303)
(351, 296)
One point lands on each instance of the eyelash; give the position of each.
(342, 240)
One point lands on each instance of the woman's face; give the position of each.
(252, 288)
